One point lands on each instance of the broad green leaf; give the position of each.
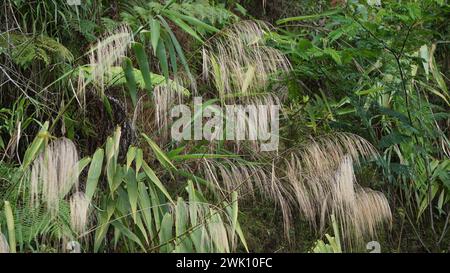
(153, 178)
(128, 233)
(155, 29)
(177, 46)
(95, 170)
(195, 22)
(139, 159)
(162, 57)
(75, 173)
(144, 66)
(160, 155)
(36, 145)
(146, 208)
(131, 154)
(10, 225)
(165, 234)
(174, 18)
(132, 189)
(131, 81)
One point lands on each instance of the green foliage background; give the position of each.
(377, 69)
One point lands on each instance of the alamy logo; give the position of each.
(211, 122)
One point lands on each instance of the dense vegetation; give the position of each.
(87, 159)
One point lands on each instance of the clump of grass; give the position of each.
(79, 209)
(109, 51)
(54, 173)
(247, 179)
(323, 180)
(238, 60)
(104, 56)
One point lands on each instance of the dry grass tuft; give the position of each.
(323, 180)
(79, 208)
(54, 173)
(237, 59)
(106, 54)
(165, 97)
(247, 178)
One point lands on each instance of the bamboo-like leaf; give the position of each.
(172, 56)
(174, 18)
(103, 226)
(142, 229)
(132, 189)
(153, 178)
(162, 57)
(131, 154)
(144, 66)
(234, 214)
(156, 207)
(35, 147)
(128, 233)
(107, 106)
(10, 225)
(177, 46)
(165, 235)
(160, 155)
(237, 227)
(146, 208)
(139, 159)
(131, 81)
(194, 21)
(94, 172)
(308, 17)
(155, 29)
(183, 243)
(75, 173)
(110, 162)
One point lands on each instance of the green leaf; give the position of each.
(132, 189)
(155, 29)
(234, 213)
(165, 235)
(160, 155)
(174, 18)
(162, 57)
(153, 178)
(144, 66)
(178, 48)
(145, 208)
(10, 224)
(128, 233)
(131, 81)
(131, 154)
(181, 217)
(183, 243)
(139, 159)
(75, 173)
(107, 106)
(35, 147)
(94, 173)
(193, 21)
(308, 17)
